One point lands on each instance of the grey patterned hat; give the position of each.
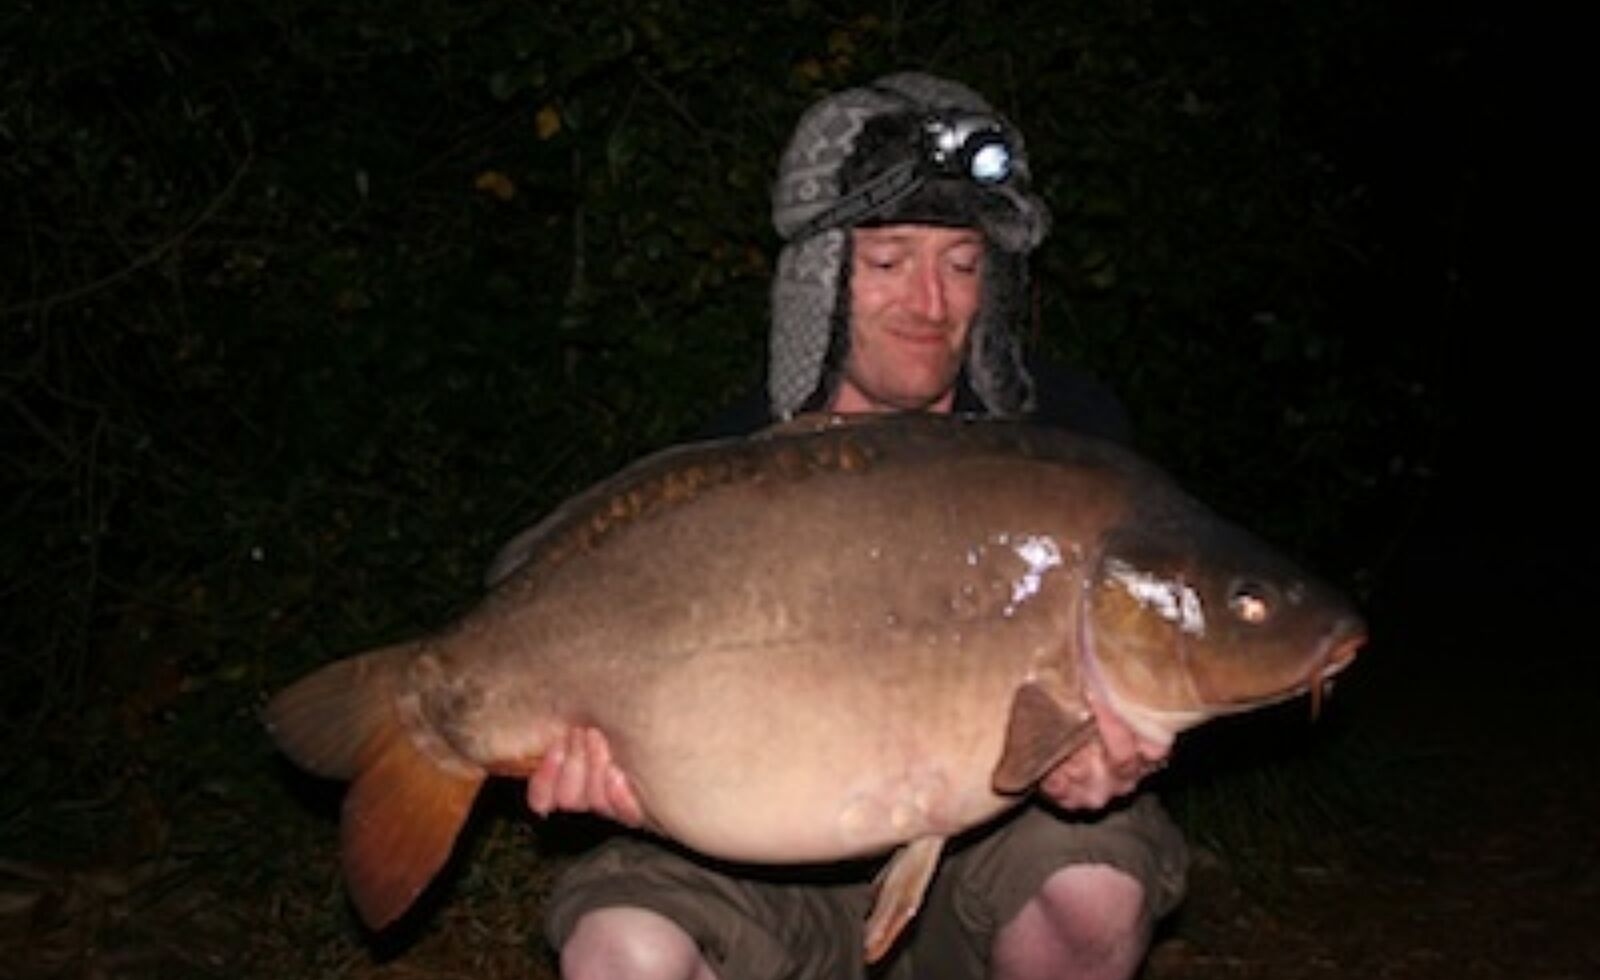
(854, 159)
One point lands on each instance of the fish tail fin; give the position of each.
(405, 807)
(400, 822)
(326, 720)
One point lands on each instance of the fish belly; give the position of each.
(819, 756)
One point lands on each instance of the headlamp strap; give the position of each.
(897, 182)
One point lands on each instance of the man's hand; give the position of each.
(1108, 767)
(580, 775)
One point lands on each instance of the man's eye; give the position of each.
(964, 259)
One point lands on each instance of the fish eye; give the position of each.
(1250, 602)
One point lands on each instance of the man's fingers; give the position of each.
(597, 763)
(624, 805)
(1074, 772)
(1091, 778)
(542, 784)
(572, 784)
(609, 791)
(578, 774)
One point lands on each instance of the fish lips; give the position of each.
(1331, 653)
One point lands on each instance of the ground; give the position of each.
(1497, 875)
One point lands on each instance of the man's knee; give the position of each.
(1088, 920)
(631, 944)
(1096, 902)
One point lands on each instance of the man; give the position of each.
(907, 216)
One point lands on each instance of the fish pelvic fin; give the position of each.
(405, 807)
(898, 895)
(1043, 730)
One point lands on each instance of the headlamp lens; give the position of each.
(990, 163)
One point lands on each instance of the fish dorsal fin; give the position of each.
(1043, 730)
(807, 423)
(804, 424)
(900, 887)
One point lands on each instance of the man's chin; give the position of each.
(932, 389)
(929, 390)
(921, 402)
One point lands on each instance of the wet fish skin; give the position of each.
(819, 643)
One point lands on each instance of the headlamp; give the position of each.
(967, 145)
(960, 145)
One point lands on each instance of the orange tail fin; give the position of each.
(403, 813)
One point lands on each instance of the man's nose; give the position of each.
(927, 291)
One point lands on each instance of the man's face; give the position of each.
(914, 291)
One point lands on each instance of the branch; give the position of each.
(149, 258)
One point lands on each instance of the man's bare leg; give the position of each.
(1088, 922)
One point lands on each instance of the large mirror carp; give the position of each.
(832, 640)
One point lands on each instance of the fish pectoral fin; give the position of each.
(1041, 732)
(400, 821)
(900, 887)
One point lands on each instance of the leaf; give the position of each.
(496, 183)
(548, 121)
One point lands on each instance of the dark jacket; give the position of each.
(1066, 397)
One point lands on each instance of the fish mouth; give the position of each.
(1339, 651)
(1335, 652)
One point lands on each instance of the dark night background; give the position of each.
(305, 307)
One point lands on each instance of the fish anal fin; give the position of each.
(1043, 730)
(900, 887)
(401, 818)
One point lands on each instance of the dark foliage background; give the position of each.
(306, 306)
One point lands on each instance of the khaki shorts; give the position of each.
(806, 923)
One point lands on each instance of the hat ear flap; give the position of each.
(838, 333)
(995, 367)
(806, 293)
